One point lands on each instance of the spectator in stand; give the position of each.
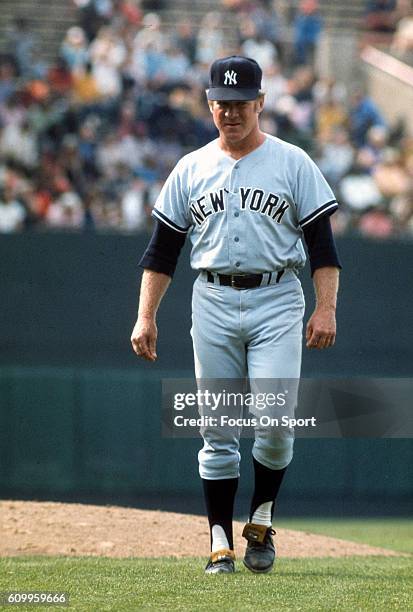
(39, 67)
(109, 215)
(66, 212)
(18, 143)
(327, 88)
(46, 118)
(184, 39)
(155, 66)
(308, 26)
(60, 78)
(146, 58)
(12, 213)
(51, 177)
(259, 48)
(301, 84)
(329, 116)
(13, 110)
(401, 207)
(114, 151)
(115, 187)
(150, 35)
(176, 66)
(21, 43)
(381, 15)
(8, 85)
(38, 91)
(300, 87)
(275, 85)
(395, 186)
(402, 44)
(376, 142)
(336, 155)
(92, 15)
(107, 55)
(363, 115)
(268, 123)
(39, 200)
(269, 23)
(154, 189)
(376, 223)
(286, 113)
(358, 189)
(126, 15)
(87, 148)
(210, 40)
(108, 156)
(134, 211)
(391, 176)
(7, 80)
(14, 177)
(127, 123)
(85, 90)
(74, 48)
(74, 168)
(259, 20)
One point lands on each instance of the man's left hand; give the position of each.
(321, 328)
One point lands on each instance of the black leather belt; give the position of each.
(242, 281)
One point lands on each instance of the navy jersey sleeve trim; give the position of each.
(322, 251)
(163, 250)
(157, 213)
(327, 208)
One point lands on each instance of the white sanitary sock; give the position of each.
(219, 539)
(262, 515)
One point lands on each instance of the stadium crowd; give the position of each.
(87, 141)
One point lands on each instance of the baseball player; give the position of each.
(247, 201)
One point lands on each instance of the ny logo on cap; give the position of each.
(230, 78)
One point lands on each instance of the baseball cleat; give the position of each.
(260, 552)
(221, 562)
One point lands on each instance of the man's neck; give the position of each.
(243, 147)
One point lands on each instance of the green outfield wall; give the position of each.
(80, 415)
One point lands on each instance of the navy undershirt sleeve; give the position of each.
(321, 246)
(163, 250)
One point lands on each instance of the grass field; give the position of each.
(357, 583)
(396, 534)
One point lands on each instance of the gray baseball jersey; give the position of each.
(246, 215)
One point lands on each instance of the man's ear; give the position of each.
(259, 104)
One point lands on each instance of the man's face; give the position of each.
(235, 120)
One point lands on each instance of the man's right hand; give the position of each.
(144, 337)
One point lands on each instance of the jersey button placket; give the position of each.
(238, 246)
(233, 179)
(235, 242)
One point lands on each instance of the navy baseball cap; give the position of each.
(234, 78)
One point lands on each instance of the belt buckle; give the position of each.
(233, 281)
